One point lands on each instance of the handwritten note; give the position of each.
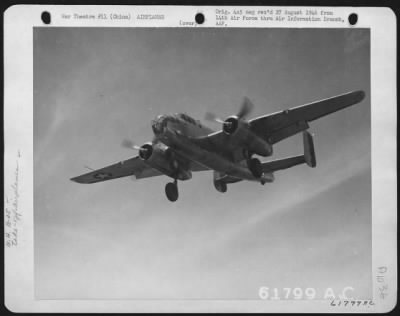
(381, 278)
(13, 215)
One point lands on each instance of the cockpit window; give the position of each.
(187, 118)
(158, 124)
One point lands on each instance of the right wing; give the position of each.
(278, 126)
(134, 166)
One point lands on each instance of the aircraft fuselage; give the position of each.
(176, 132)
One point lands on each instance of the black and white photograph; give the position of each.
(149, 90)
(202, 164)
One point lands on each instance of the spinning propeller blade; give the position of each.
(126, 143)
(245, 109)
(212, 117)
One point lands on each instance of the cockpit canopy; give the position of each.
(186, 118)
(160, 122)
(189, 119)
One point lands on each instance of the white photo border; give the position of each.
(19, 22)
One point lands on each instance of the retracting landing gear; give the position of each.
(253, 164)
(171, 190)
(255, 167)
(220, 186)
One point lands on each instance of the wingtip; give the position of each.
(76, 179)
(360, 95)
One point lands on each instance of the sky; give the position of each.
(122, 239)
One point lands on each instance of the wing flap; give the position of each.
(287, 132)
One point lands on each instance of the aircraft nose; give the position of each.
(155, 127)
(158, 125)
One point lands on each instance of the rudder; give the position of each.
(309, 152)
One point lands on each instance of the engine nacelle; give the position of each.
(146, 151)
(242, 136)
(162, 158)
(231, 125)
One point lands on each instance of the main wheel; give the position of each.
(255, 167)
(220, 186)
(171, 190)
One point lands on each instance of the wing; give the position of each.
(195, 166)
(134, 166)
(280, 125)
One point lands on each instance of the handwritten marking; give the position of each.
(13, 216)
(351, 303)
(381, 278)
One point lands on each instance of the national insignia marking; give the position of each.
(102, 175)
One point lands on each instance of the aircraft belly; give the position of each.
(183, 146)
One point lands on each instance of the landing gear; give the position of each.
(220, 186)
(255, 167)
(171, 190)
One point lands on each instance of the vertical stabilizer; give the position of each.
(309, 152)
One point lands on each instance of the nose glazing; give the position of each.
(158, 124)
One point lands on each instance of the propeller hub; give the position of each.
(145, 151)
(230, 125)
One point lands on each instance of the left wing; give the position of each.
(134, 166)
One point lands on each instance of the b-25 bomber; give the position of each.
(182, 145)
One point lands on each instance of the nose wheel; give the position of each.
(171, 190)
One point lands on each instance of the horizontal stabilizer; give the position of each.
(308, 157)
(284, 163)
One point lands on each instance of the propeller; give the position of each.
(127, 143)
(245, 109)
(145, 151)
(213, 118)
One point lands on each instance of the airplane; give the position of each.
(182, 145)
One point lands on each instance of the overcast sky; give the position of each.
(123, 239)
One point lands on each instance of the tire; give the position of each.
(220, 186)
(255, 167)
(171, 191)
